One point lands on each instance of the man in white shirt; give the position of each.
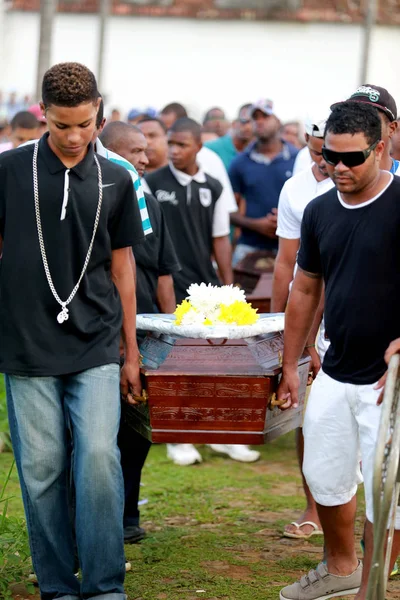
(296, 194)
(303, 161)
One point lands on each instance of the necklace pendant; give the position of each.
(63, 315)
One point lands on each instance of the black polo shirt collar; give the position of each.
(55, 165)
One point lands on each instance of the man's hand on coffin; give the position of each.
(130, 383)
(394, 348)
(288, 389)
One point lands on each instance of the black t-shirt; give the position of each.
(358, 252)
(154, 258)
(32, 342)
(189, 212)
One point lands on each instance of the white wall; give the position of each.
(300, 66)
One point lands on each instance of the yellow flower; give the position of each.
(208, 322)
(181, 311)
(238, 313)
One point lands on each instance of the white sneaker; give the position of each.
(183, 454)
(238, 452)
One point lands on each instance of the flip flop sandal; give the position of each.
(305, 536)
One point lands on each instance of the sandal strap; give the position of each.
(310, 523)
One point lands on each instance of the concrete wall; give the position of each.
(201, 63)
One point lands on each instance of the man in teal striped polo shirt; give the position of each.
(119, 160)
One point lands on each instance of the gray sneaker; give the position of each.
(321, 585)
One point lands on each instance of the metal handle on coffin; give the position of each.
(275, 402)
(212, 343)
(142, 398)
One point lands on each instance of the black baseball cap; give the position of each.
(376, 96)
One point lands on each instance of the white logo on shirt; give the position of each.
(164, 196)
(205, 197)
(107, 185)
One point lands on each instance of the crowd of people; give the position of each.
(119, 217)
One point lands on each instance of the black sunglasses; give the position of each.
(350, 159)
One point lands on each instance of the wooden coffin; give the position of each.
(203, 393)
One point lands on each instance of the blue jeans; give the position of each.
(38, 410)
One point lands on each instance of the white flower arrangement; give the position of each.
(213, 305)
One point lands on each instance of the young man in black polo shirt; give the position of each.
(78, 218)
(156, 261)
(349, 242)
(198, 221)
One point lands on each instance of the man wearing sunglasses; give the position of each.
(387, 110)
(350, 243)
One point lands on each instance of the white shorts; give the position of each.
(340, 425)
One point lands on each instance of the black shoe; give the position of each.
(133, 534)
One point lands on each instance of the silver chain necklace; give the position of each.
(64, 314)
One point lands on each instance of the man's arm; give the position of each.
(166, 300)
(264, 225)
(312, 336)
(123, 278)
(167, 260)
(133, 265)
(300, 314)
(222, 248)
(223, 255)
(283, 273)
(241, 204)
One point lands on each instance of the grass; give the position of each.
(214, 530)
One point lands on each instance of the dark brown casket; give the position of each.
(201, 392)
